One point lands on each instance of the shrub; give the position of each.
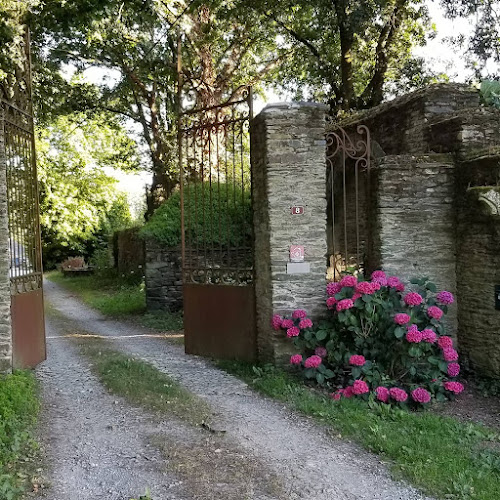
(379, 340)
(214, 214)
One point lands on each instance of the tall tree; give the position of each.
(137, 41)
(482, 47)
(346, 51)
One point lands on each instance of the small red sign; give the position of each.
(296, 253)
(297, 210)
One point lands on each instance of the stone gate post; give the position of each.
(289, 199)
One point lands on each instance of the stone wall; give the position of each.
(288, 161)
(129, 250)
(413, 221)
(478, 263)
(403, 125)
(163, 277)
(5, 318)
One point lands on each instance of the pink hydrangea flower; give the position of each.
(376, 275)
(355, 297)
(344, 304)
(357, 360)
(413, 299)
(321, 352)
(398, 394)
(313, 361)
(287, 323)
(348, 392)
(293, 332)
(413, 335)
(333, 288)
(401, 319)
(455, 387)
(305, 323)
(445, 342)
(296, 359)
(420, 395)
(336, 395)
(360, 387)
(376, 285)
(429, 336)
(449, 354)
(395, 282)
(348, 281)
(299, 314)
(445, 298)
(381, 281)
(330, 302)
(434, 312)
(382, 394)
(453, 369)
(365, 287)
(276, 322)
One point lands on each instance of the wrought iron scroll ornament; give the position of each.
(346, 155)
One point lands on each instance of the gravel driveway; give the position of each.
(100, 448)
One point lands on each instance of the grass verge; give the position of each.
(19, 408)
(142, 384)
(108, 294)
(440, 455)
(118, 297)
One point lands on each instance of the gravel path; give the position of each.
(310, 463)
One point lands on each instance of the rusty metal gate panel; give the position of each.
(217, 230)
(348, 158)
(28, 326)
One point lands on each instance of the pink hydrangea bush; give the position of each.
(382, 341)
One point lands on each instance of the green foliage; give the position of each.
(481, 47)
(80, 206)
(445, 458)
(163, 321)
(490, 92)
(19, 408)
(206, 207)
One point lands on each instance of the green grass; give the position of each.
(440, 455)
(163, 321)
(142, 384)
(19, 408)
(109, 294)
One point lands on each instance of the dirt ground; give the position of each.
(99, 447)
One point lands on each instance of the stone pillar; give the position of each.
(163, 273)
(288, 161)
(5, 320)
(414, 221)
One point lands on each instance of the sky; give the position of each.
(437, 54)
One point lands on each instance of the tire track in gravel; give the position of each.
(311, 463)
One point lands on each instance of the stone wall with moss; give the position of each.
(435, 204)
(478, 262)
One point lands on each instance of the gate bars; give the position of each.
(217, 243)
(22, 199)
(348, 160)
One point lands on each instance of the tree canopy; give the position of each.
(79, 203)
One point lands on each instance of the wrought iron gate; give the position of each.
(217, 232)
(348, 157)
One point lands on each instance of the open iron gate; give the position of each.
(217, 230)
(348, 159)
(28, 328)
